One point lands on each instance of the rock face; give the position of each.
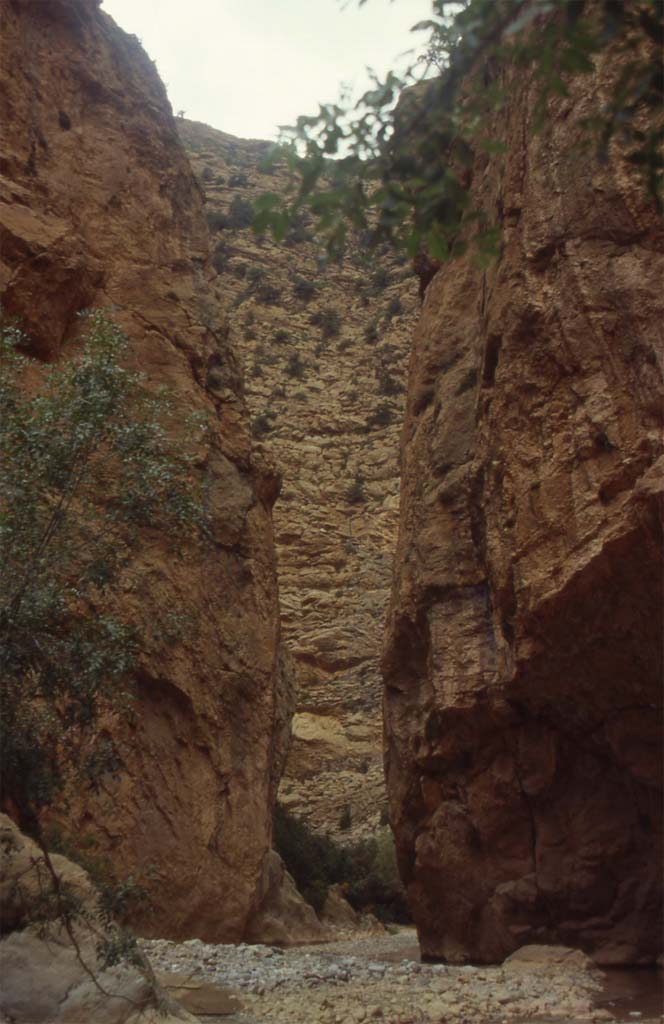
(284, 917)
(325, 352)
(100, 208)
(523, 657)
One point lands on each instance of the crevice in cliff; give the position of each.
(198, 363)
(156, 688)
(531, 819)
(491, 356)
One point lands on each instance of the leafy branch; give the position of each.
(401, 171)
(88, 455)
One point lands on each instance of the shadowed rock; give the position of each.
(523, 659)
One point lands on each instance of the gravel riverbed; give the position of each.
(361, 980)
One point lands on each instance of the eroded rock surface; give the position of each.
(523, 660)
(325, 351)
(99, 207)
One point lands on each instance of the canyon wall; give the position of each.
(523, 654)
(325, 350)
(99, 207)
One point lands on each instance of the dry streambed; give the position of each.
(378, 978)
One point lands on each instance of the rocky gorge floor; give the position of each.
(358, 980)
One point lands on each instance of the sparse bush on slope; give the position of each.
(367, 869)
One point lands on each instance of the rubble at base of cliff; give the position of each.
(338, 984)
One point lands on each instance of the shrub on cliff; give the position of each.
(240, 213)
(294, 366)
(87, 461)
(329, 321)
(267, 293)
(378, 282)
(220, 257)
(394, 308)
(355, 496)
(216, 220)
(367, 869)
(303, 288)
(374, 883)
(238, 180)
(387, 384)
(314, 861)
(371, 333)
(382, 416)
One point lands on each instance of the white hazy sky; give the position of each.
(247, 66)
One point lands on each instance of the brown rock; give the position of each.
(337, 910)
(101, 208)
(328, 407)
(284, 918)
(523, 660)
(24, 877)
(554, 957)
(426, 269)
(201, 997)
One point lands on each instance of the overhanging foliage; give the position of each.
(401, 173)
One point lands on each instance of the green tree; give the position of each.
(329, 320)
(401, 172)
(367, 869)
(241, 213)
(86, 459)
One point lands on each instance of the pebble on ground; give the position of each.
(338, 984)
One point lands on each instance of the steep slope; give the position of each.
(325, 350)
(523, 660)
(100, 208)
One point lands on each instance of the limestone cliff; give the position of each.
(325, 351)
(99, 207)
(523, 657)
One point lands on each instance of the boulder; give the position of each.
(206, 998)
(338, 912)
(50, 973)
(554, 957)
(284, 918)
